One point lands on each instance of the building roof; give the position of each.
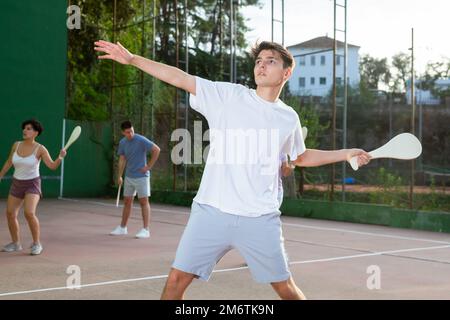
(321, 43)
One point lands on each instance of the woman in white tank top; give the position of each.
(25, 189)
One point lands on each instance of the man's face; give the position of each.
(128, 133)
(269, 71)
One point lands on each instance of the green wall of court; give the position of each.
(33, 62)
(88, 165)
(32, 75)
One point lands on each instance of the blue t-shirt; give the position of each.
(135, 152)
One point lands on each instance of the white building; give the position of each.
(425, 96)
(313, 74)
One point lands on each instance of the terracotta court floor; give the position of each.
(329, 260)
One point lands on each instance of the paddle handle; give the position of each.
(354, 160)
(118, 196)
(73, 137)
(69, 143)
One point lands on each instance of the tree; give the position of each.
(89, 89)
(401, 62)
(435, 71)
(373, 71)
(209, 34)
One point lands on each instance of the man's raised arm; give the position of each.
(168, 74)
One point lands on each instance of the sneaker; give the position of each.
(143, 233)
(36, 249)
(119, 231)
(11, 247)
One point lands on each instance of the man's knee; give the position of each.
(143, 202)
(285, 287)
(282, 285)
(128, 201)
(178, 278)
(288, 290)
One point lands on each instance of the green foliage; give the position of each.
(373, 71)
(433, 199)
(86, 102)
(389, 185)
(396, 76)
(401, 64)
(309, 118)
(163, 179)
(435, 71)
(89, 82)
(88, 94)
(422, 201)
(211, 24)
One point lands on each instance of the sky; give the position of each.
(381, 28)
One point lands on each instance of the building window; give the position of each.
(322, 60)
(313, 81)
(302, 60)
(301, 82)
(313, 60)
(323, 81)
(338, 81)
(338, 60)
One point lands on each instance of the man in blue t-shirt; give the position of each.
(133, 150)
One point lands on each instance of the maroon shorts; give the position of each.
(19, 188)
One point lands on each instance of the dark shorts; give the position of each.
(20, 188)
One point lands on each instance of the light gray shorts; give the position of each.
(139, 186)
(211, 233)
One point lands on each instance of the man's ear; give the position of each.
(287, 73)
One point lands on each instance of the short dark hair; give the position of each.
(288, 59)
(36, 125)
(126, 125)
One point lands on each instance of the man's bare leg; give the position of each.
(127, 206)
(288, 290)
(145, 208)
(176, 284)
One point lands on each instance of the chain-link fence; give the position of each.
(100, 91)
(383, 181)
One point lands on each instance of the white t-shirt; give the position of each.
(283, 158)
(247, 136)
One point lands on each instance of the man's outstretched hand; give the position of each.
(363, 156)
(115, 52)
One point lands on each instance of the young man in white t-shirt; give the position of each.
(236, 206)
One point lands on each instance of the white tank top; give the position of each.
(26, 168)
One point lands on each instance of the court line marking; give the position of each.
(379, 253)
(385, 235)
(388, 252)
(120, 206)
(363, 233)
